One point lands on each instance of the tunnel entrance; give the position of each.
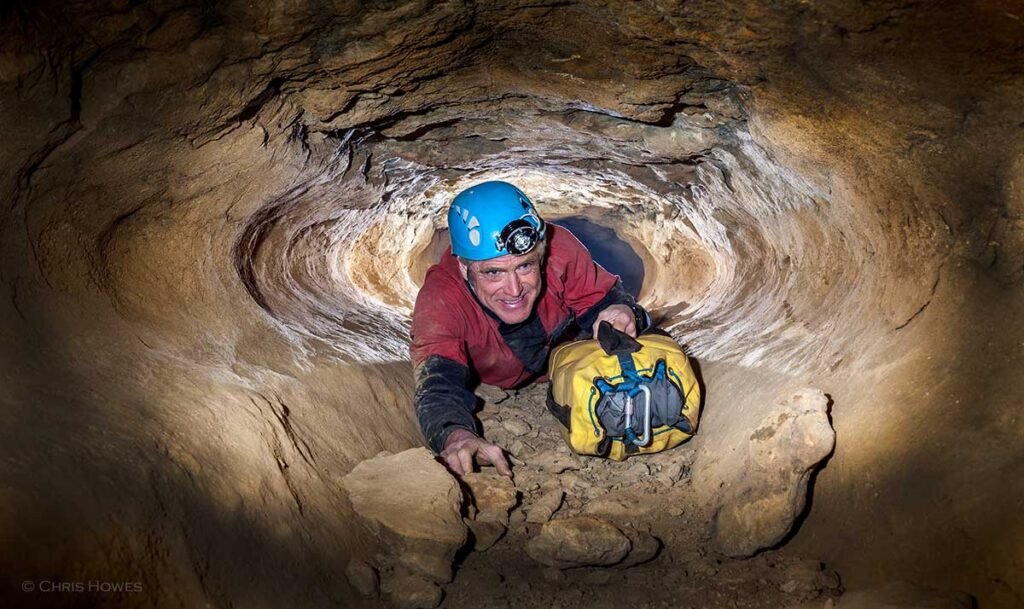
(609, 250)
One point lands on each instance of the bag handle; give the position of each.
(616, 342)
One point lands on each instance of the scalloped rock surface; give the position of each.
(214, 219)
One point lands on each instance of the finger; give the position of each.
(452, 461)
(496, 457)
(593, 330)
(501, 463)
(466, 459)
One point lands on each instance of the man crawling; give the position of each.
(508, 290)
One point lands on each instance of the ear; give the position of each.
(464, 270)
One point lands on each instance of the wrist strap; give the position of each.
(641, 318)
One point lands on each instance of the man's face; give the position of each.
(508, 285)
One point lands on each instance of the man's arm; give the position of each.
(598, 293)
(444, 407)
(620, 309)
(443, 401)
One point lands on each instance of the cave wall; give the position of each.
(211, 213)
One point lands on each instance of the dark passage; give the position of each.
(608, 250)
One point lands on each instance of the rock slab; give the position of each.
(578, 542)
(412, 506)
(760, 506)
(492, 495)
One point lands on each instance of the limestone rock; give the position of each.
(412, 505)
(486, 533)
(492, 495)
(759, 507)
(518, 448)
(809, 578)
(624, 505)
(643, 547)
(363, 578)
(516, 427)
(434, 566)
(491, 394)
(546, 504)
(407, 591)
(553, 462)
(578, 542)
(669, 475)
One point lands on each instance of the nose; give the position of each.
(513, 285)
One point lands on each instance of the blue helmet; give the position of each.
(493, 219)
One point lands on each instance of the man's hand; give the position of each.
(462, 447)
(619, 316)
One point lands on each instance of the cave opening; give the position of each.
(608, 250)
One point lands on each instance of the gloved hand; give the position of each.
(619, 316)
(463, 446)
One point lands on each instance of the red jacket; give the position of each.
(448, 321)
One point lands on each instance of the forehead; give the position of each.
(506, 262)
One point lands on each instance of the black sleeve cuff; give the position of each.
(641, 318)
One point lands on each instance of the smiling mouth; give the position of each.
(514, 302)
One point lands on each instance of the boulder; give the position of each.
(516, 427)
(578, 542)
(760, 504)
(412, 505)
(363, 578)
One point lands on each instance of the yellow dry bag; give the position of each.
(618, 396)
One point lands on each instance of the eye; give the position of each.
(492, 272)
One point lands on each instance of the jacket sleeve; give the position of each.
(443, 400)
(589, 289)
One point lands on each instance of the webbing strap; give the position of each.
(631, 378)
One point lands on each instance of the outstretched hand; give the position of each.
(619, 316)
(462, 447)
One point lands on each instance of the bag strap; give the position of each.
(615, 342)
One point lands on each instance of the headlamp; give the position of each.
(519, 237)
